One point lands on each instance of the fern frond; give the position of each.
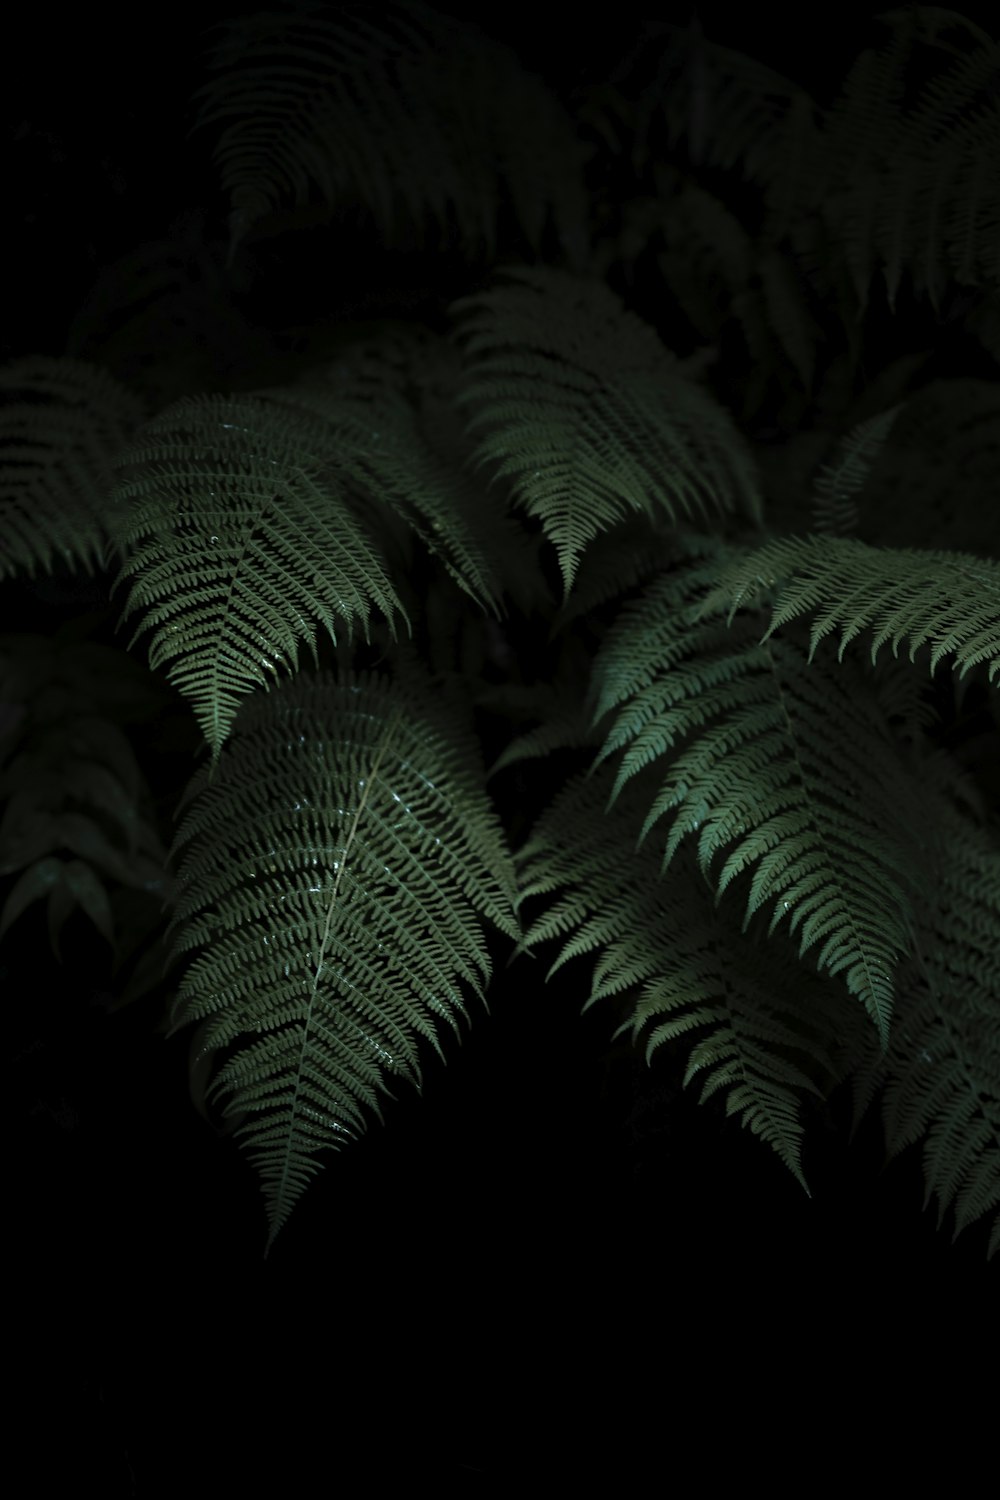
(389, 406)
(941, 1076)
(752, 1020)
(912, 183)
(333, 877)
(949, 599)
(792, 772)
(589, 416)
(420, 118)
(244, 530)
(62, 424)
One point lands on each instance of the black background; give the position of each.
(550, 1269)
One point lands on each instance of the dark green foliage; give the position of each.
(589, 417)
(61, 426)
(338, 855)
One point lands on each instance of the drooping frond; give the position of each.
(941, 1076)
(333, 878)
(589, 416)
(245, 531)
(755, 1023)
(787, 769)
(61, 425)
(949, 599)
(419, 117)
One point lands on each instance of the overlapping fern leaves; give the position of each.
(255, 518)
(765, 1030)
(905, 184)
(782, 768)
(926, 596)
(940, 1080)
(753, 1023)
(339, 854)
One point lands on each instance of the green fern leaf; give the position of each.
(336, 920)
(752, 1019)
(244, 531)
(792, 772)
(589, 416)
(941, 1076)
(949, 599)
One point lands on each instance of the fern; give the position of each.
(335, 927)
(244, 508)
(388, 408)
(752, 1021)
(337, 859)
(914, 188)
(941, 1078)
(65, 424)
(243, 532)
(588, 414)
(417, 116)
(943, 598)
(629, 555)
(787, 772)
